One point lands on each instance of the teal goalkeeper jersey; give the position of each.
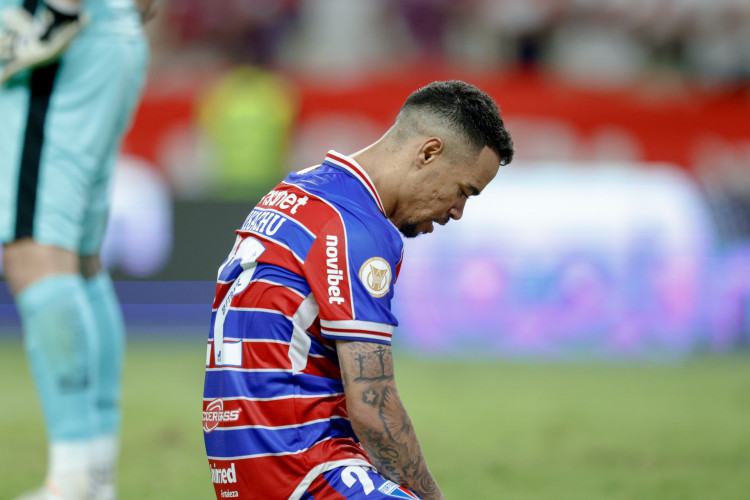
(105, 17)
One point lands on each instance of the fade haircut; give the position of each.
(463, 109)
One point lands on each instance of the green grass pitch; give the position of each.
(489, 430)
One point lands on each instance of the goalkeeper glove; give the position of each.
(28, 42)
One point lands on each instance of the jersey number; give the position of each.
(247, 253)
(348, 476)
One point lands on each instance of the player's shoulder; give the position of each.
(375, 233)
(344, 196)
(347, 202)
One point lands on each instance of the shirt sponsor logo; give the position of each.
(387, 487)
(215, 414)
(284, 200)
(375, 274)
(393, 490)
(334, 274)
(224, 476)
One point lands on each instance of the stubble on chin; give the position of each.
(409, 229)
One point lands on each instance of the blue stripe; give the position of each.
(283, 230)
(239, 442)
(334, 478)
(243, 324)
(275, 327)
(232, 383)
(284, 277)
(317, 348)
(231, 270)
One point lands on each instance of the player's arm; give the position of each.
(379, 418)
(27, 41)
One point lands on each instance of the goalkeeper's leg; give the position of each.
(60, 344)
(110, 333)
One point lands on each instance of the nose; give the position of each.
(457, 210)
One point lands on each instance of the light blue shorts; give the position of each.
(61, 129)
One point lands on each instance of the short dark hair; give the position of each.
(467, 109)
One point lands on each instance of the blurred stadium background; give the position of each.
(606, 271)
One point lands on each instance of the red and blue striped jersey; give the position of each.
(314, 262)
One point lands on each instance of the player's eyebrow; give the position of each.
(474, 191)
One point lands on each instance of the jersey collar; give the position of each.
(354, 168)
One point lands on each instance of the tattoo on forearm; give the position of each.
(372, 365)
(360, 359)
(379, 352)
(396, 451)
(383, 453)
(370, 397)
(393, 448)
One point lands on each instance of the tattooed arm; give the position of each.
(379, 418)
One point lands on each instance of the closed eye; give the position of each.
(473, 191)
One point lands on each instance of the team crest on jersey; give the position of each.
(375, 274)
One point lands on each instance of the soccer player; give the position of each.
(300, 400)
(71, 74)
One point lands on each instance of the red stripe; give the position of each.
(290, 411)
(268, 296)
(333, 295)
(314, 330)
(317, 486)
(398, 266)
(275, 478)
(328, 492)
(275, 356)
(322, 367)
(261, 356)
(221, 291)
(316, 212)
(265, 355)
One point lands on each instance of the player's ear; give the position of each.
(429, 150)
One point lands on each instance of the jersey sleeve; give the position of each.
(351, 274)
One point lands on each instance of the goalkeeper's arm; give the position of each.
(27, 41)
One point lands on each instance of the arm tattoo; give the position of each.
(372, 365)
(370, 396)
(360, 358)
(379, 352)
(389, 439)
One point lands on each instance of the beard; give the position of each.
(409, 229)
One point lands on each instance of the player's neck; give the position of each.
(380, 164)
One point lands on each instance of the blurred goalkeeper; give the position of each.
(70, 77)
(300, 400)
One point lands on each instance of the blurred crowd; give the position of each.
(600, 42)
(587, 86)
